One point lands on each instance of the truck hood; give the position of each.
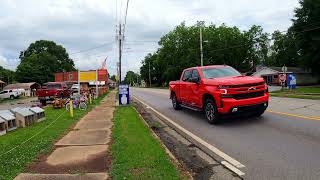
(233, 80)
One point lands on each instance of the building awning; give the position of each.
(1, 82)
(21, 85)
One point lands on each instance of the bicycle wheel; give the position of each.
(83, 106)
(67, 106)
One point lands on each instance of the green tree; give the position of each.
(113, 78)
(131, 78)
(306, 30)
(41, 60)
(179, 49)
(7, 75)
(283, 50)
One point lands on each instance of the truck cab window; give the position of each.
(186, 75)
(195, 74)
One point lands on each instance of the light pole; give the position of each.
(149, 76)
(201, 49)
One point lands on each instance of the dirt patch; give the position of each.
(100, 162)
(89, 176)
(200, 165)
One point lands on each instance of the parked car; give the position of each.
(52, 90)
(8, 94)
(218, 90)
(75, 88)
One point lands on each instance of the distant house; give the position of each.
(28, 87)
(271, 75)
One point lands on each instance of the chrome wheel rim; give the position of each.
(210, 112)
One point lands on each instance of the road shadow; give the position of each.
(243, 119)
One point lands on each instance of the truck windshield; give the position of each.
(210, 73)
(53, 86)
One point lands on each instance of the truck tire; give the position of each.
(11, 97)
(210, 111)
(175, 103)
(43, 102)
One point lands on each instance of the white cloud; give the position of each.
(83, 24)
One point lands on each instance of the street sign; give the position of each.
(282, 77)
(292, 82)
(124, 96)
(284, 69)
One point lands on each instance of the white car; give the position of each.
(8, 94)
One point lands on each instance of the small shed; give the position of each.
(11, 123)
(3, 130)
(24, 117)
(39, 113)
(30, 88)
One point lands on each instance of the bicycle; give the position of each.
(77, 102)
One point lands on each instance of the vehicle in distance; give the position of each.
(8, 94)
(52, 90)
(217, 90)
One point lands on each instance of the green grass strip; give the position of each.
(23, 153)
(136, 154)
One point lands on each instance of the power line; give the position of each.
(93, 48)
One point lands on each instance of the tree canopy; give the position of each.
(179, 49)
(299, 46)
(7, 75)
(131, 78)
(41, 60)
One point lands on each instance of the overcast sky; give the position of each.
(85, 24)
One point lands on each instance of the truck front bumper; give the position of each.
(230, 105)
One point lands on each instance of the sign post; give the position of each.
(124, 96)
(282, 79)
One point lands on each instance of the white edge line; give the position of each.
(201, 141)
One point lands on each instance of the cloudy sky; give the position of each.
(87, 28)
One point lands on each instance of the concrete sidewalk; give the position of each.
(83, 152)
(302, 107)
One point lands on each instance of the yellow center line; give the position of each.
(295, 115)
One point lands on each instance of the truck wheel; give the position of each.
(43, 102)
(11, 97)
(175, 103)
(211, 112)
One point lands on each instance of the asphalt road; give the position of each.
(271, 147)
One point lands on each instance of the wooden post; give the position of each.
(71, 108)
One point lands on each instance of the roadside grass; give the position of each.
(24, 152)
(136, 154)
(300, 92)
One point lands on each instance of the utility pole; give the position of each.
(149, 76)
(201, 49)
(120, 52)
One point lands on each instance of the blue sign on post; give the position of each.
(292, 82)
(124, 97)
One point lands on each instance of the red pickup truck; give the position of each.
(218, 90)
(51, 90)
